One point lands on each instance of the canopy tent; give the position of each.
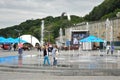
(88, 42)
(17, 40)
(24, 39)
(30, 39)
(2, 39)
(9, 40)
(92, 38)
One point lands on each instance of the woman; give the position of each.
(45, 52)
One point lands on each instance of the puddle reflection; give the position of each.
(20, 60)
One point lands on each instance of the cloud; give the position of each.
(16, 11)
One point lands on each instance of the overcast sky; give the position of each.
(13, 12)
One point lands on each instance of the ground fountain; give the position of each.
(109, 32)
(107, 23)
(61, 36)
(67, 65)
(42, 32)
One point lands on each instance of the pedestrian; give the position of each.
(55, 54)
(112, 49)
(45, 53)
(20, 48)
(15, 46)
(108, 48)
(50, 47)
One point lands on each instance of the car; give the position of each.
(6, 46)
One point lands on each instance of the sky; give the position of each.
(14, 12)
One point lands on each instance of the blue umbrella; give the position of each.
(92, 39)
(17, 40)
(2, 39)
(9, 40)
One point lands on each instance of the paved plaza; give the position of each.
(74, 64)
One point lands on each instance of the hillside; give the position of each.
(107, 9)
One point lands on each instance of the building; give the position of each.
(107, 30)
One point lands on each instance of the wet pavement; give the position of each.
(70, 63)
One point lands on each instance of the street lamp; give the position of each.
(18, 33)
(49, 32)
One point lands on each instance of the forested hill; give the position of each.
(107, 9)
(33, 27)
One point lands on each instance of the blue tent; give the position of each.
(92, 38)
(17, 40)
(9, 40)
(2, 39)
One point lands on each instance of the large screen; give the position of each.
(77, 36)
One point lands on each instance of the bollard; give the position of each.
(118, 53)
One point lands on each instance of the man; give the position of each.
(20, 50)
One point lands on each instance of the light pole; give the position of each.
(18, 33)
(49, 32)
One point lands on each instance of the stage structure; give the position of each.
(76, 36)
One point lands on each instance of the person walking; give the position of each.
(112, 49)
(55, 54)
(14, 46)
(45, 52)
(108, 48)
(20, 48)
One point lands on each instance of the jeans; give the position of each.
(55, 61)
(107, 51)
(112, 52)
(46, 59)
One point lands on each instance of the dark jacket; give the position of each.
(44, 52)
